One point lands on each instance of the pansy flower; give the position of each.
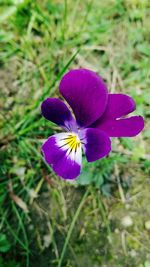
(91, 117)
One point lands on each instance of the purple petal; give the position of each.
(97, 144)
(118, 105)
(127, 127)
(67, 165)
(86, 93)
(55, 110)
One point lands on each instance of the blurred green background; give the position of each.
(103, 218)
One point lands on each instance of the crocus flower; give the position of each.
(93, 117)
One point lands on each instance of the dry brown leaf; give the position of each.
(19, 202)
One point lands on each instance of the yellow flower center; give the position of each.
(73, 141)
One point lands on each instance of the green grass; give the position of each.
(44, 220)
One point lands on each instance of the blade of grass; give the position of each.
(30, 117)
(72, 225)
(24, 233)
(51, 89)
(16, 237)
(64, 26)
(104, 216)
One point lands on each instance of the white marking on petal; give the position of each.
(70, 143)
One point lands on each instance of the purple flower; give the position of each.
(98, 116)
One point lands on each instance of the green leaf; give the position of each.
(106, 190)
(85, 178)
(4, 243)
(98, 180)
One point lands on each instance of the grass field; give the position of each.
(103, 218)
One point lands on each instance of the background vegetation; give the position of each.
(102, 219)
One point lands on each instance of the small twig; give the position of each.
(136, 240)
(96, 47)
(122, 196)
(129, 153)
(123, 241)
(113, 83)
(104, 216)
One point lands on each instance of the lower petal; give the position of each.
(96, 144)
(127, 127)
(65, 162)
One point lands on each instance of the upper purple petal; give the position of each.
(58, 158)
(112, 123)
(55, 110)
(97, 144)
(86, 93)
(127, 127)
(118, 105)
